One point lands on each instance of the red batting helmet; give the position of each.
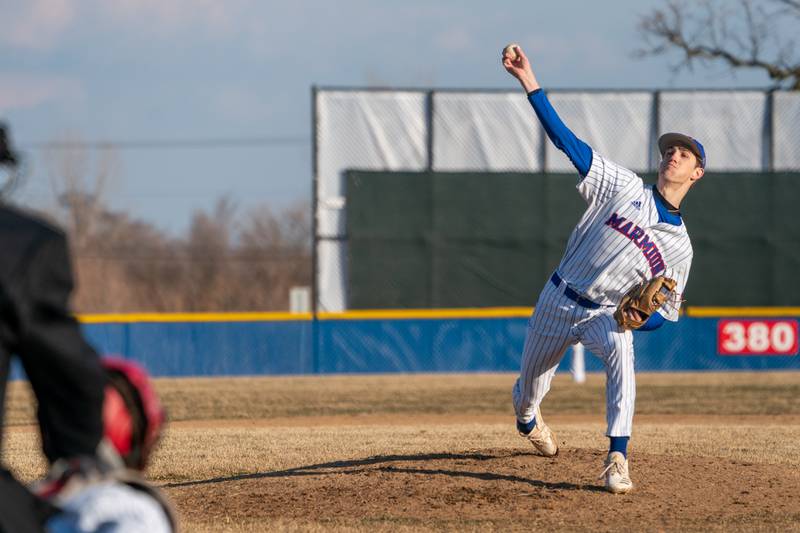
(132, 414)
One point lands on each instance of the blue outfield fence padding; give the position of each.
(209, 348)
(420, 345)
(385, 342)
(495, 345)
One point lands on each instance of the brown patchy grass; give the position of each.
(245, 398)
(228, 432)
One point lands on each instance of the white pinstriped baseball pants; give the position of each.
(557, 323)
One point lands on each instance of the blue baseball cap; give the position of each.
(679, 139)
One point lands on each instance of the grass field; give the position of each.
(713, 452)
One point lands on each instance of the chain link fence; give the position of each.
(431, 151)
(745, 131)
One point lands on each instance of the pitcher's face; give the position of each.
(679, 166)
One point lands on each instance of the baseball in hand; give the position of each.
(511, 51)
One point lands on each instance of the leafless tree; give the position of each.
(274, 252)
(226, 261)
(747, 34)
(242, 263)
(80, 179)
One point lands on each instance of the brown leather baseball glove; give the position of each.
(642, 300)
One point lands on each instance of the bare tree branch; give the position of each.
(225, 262)
(791, 4)
(743, 38)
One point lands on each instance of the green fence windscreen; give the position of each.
(441, 239)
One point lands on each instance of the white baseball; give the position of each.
(511, 51)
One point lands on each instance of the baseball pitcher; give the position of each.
(624, 269)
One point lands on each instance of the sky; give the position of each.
(148, 75)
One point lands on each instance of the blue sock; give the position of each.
(619, 444)
(526, 428)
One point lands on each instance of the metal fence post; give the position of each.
(654, 156)
(315, 365)
(769, 132)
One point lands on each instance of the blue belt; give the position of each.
(572, 295)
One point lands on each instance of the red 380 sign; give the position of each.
(757, 337)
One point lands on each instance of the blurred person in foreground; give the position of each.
(112, 495)
(70, 384)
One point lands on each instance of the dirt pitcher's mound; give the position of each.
(502, 489)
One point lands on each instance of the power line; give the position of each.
(148, 144)
(194, 259)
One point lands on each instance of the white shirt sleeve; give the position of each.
(604, 180)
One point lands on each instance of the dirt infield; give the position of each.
(505, 489)
(715, 452)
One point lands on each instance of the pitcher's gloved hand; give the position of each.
(642, 300)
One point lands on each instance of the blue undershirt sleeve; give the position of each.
(654, 322)
(578, 151)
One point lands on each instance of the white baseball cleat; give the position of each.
(542, 438)
(616, 475)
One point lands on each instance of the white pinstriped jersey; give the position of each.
(619, 240)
